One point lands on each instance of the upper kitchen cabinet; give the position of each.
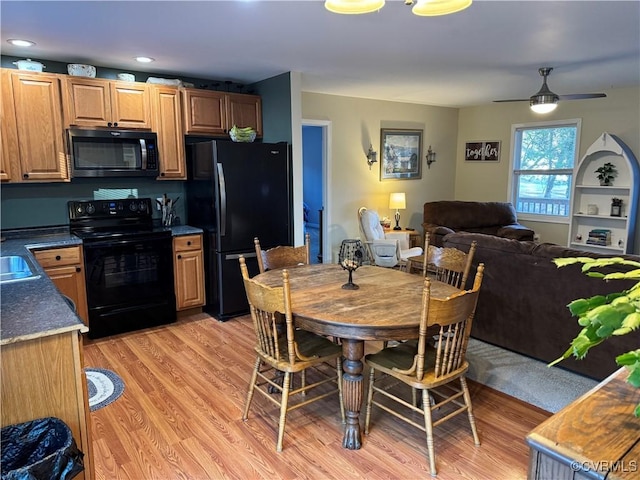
(209, 112)
(245, 111)
(93, 102)
(166, 121)
(33, 146)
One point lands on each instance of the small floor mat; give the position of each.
(104, 387)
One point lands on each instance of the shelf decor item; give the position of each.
(616, 207)
(606, 173)
(350, 257)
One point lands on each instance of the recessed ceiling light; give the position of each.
(145, 59)
(21, 43)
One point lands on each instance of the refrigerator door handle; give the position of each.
(223, 200)
(235, 256)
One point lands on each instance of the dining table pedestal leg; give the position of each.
(352, 391)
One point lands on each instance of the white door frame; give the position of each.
(326, 175)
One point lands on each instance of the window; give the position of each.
(543, 158)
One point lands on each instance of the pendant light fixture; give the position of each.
(423, 8)
(432, 8)
(353, 7)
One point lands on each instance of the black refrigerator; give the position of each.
(235, 192)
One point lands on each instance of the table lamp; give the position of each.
(397, 201)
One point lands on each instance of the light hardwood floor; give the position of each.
(180, 418)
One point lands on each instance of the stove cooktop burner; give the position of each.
(100, 219)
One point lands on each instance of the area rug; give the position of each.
(104, 387)
(550, 388)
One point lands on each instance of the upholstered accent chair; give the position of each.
(388, 249)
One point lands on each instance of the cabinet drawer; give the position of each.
(59, 256)
(187, 242)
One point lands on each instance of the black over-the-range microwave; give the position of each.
(113, 153)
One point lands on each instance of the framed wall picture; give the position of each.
(401, 154)
(487, 151)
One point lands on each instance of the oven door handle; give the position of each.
(223, 200)
(112, 243)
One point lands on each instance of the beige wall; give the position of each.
(618, 114)
(356, 123)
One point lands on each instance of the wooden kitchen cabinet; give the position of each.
(94, 102)
(44, 377)
(166, 121)
(209, 112)
(65, 267)
(33, 145)
(188, 265)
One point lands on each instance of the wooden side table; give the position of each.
(595, 437)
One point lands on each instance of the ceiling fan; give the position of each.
(545, 101)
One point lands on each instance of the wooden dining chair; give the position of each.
(448, 264)
(283, 255)
(283, 348)
(434, 370)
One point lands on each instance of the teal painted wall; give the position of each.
(276, 108)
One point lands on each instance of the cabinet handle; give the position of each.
(188, 242)
(162, 174)
(78, 269)
(26, 175)
(58, 257)
(109, 124)
(179, 257)
(115, 124)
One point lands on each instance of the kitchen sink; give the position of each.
(16, 268)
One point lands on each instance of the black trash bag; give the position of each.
(42, 449)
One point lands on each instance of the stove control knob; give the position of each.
(142, 207)
(79, 209)
(91, 208)
(133, 207)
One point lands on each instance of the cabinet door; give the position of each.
(204, 112)
(167, 123)
(188, 264)
(245, 111)
(37, 102)
(65, 268)
(87, 102)
(130, 105)
(8, 132)
(70, 281)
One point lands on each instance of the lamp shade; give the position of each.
(353, 6)
(398, 201)
(432, 8)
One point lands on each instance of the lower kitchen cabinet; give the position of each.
(188, 265)
(65, 267)
(44, 377)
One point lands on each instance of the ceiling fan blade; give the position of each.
(514, 100)
(581, 96)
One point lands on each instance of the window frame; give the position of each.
(512, 184)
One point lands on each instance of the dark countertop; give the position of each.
(35, 308)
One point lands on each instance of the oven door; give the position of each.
(129, 284)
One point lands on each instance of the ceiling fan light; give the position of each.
(432, 8)
(353, 7)
(543, 103)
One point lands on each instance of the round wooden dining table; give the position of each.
(386, 306)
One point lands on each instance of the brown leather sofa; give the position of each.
(523, 301)
(491, 218)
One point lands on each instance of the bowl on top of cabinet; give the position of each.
(81, 70)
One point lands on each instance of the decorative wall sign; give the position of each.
(482, 151)
(401, 154)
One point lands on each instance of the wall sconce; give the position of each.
(431, 157)
(372, 157)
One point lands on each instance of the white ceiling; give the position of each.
(490, 51)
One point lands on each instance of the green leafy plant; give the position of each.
(606, 173)
(605, 316)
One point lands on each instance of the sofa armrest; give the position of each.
(436, 233)
(516, 232)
